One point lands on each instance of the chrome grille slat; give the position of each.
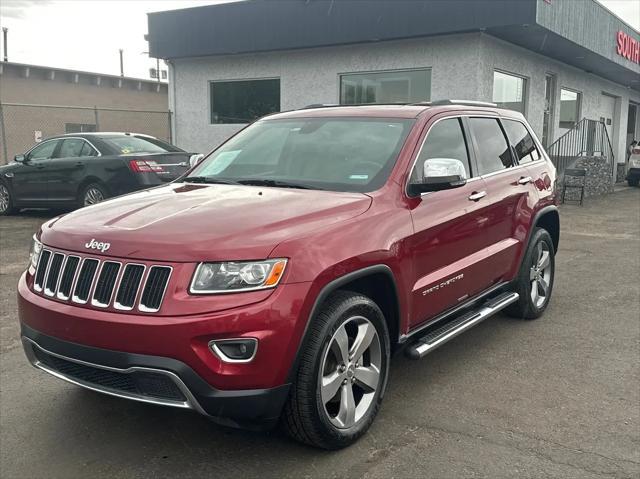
(154, 289)
(105, 283)
(53, 275)
(127, 290)
(41, 271)
(67, 278)
(123, 286)
(85, 280)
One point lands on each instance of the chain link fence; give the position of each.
(23, 125)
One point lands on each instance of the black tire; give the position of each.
(306, 417)
(87, 194)
(525, 307)
(7, 205)
(633, 182)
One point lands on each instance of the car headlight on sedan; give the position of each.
(34, 254)
(237, 276)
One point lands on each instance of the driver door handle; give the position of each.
(525, 180)
(477, 195)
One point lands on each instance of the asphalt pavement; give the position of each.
(556, 397)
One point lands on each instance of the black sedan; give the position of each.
(81, 169)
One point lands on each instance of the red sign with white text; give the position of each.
(628, 47)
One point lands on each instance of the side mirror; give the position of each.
(195, 159)
(440, 174)
(19, 159)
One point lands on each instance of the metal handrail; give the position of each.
(586, 138)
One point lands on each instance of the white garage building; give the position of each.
(557, 61)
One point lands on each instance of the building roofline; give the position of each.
(612, 13)
(81, 72)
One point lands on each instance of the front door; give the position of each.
(31, 179)
(448, 230)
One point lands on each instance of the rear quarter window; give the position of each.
(521, 140)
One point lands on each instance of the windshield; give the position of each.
(339, 154)
(128, 144)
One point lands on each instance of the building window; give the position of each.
(79, 127)
(401, 86)
(509, 91)
(242, 101)
(569, 108)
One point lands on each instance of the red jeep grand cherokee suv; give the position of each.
(275, 279)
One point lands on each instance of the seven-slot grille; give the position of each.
(89, 280)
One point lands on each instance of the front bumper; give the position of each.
(152, 379)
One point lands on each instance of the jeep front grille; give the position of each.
(101, 283)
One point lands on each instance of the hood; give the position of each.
(187, 222)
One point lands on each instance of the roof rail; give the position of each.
(460, 102)
(333, 105)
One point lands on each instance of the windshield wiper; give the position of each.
(209, 180)
(276, 183)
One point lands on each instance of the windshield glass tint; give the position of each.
(134, 144)
(341, 154)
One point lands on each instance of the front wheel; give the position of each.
(342, 373)
(6, 201)
(534, 283)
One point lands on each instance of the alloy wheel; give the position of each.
(351, 372)
(540, 275)
(93, 196)
(5, 199)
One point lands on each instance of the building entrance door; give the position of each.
(549, 105)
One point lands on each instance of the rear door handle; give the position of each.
(525, 180)
(477, 195)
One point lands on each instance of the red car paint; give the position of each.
(425, 241)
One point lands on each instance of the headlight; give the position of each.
(232, 276)
(34, 254)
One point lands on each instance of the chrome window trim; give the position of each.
(226, 359)
(37, 288)
(95, 302)
(117, 305)
(48, 292)
(143, 308)
(190, 403)
(468, 145)
(74, 298)
(73, 279)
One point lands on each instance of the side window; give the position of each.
(44, 151)
(70, 148)
(445, 139)
(88, 150)
(521, 141)
(493, 152)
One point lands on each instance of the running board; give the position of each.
(453, 328)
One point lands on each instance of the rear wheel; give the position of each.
(342, 374)
(6, 201)
(92, 194)
(534, 283)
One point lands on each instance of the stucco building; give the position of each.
(557, 61)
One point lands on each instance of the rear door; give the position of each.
(510, 196)
(448, 228)
(31, 180)
(68, 168)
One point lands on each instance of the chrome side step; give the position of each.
(437, 337)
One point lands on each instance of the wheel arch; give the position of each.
(549, 219)
(376, 282)
(87, 181)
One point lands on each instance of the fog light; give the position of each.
(241, 350)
